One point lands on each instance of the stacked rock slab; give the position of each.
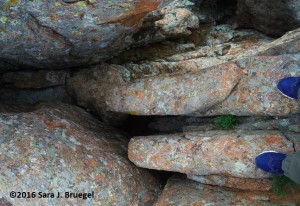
(60, 148)
(229, 153)
(181, 191)
(244, 87)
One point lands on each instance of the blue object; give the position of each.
(289, 87)
(270, 161)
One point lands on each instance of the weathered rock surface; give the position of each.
(260, 74)
(88, 87)
(192, 91)
(287, 44)
(178, 23)
(203, 94)
(180, 191)
(273, 18)
(256, 92)
(61, 148)
(35, 80)
(229, 153)
(233, 182)
(57, 34)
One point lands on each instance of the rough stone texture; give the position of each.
(287, 44)
(233, 182)
(39, 79)
(59, 148)
(88, 87)
(152, 52)
(192, 91)
(178, 23)
(32, 96)
(229, 153)
(201, 93)
(271, 17)
(295, 138)
(183, 192)
(55, 34)
(256, 92)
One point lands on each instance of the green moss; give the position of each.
(3, 19)
(226, 121)
(281, 184)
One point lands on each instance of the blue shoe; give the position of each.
(270, 161)
(289, 87)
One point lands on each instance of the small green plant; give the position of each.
(226, 121)
(281, 184)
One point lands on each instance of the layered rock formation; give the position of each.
(229, 153)
(180, 191)
(188, 62)
(66, 34)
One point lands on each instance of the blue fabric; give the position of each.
(270, 162)
(289, 86)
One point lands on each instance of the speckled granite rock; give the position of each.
(192, 91)
(287, 44)
(65, 34)
(183, 192)
(229, 153)
(36, 79)
(61, 148)
(177, 23)
(271, 17)
(88, 88)
(233, 182)
(256, 92)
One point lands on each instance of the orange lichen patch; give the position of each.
(242, 97)
(147, 198)
(91, 163)
(139, 94)
(273, 139)
(99, 178)
(136, 15)
(6, 6)
(52, 124)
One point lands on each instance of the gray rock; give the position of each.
(271, 17)
(88, 88)
(54, 34)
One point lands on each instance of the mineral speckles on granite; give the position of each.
(228, 153)
(174, 94)
(257, 93)
(61, 148)
(183, 192)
